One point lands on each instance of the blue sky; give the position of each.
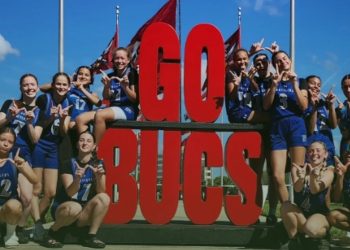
(29, 33)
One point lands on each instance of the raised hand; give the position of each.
(64, 112)
(18, 161)
(273, 48)
(340, 168)
(79, 172)
(300, 170)
(14, 110)
(256, 47)
(314, 97)
(30, 115)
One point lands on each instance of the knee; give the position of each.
(313, 230)
(70, 211)
(99, 117)
(50, 194)
(278, 179)
(13, 208)
(26, 200)
(37, 189)
(103, 199)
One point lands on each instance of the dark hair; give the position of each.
(54, 78)
(87, 132)
(273, 58)
(346, 77)
(8, 129)
(22, 79)
(239, 50)
(312, 76)
(259, 55)
(84, 67)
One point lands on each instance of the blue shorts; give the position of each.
(240, 115)
(288, 132)
(25, 153)
(329, 144)
(45, 155)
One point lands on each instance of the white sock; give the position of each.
(10, 230)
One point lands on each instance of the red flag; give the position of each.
(167, 14)
(104, 62)
(232, 43)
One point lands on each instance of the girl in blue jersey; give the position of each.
(340, 217)
(81, 199)
(320, 116)
(16, 114)
(308, 215)
(343, 115)
(120, 88)
(52, 125)
(287, 99)
(10, 205)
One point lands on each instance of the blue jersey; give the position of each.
(344, 118)
(285, 101)
(50, 131)
(238, 109)
(258, 95)
(87, 188)
(19, 123)
(322, 119)
(8, 182)
(80, 102)
(310, 203)
(118, 96)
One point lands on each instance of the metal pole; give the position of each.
(117, 23)
(61, 37)
(292, 33)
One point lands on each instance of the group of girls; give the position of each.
(299, 139)
(35, 171)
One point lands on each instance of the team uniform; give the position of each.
(80, 101)
(288, 128)
(239, 109)
(46, 150)
(344, 125)
(87, 188)
(123, 108)
(310, 203)
(8, 182)
(322, 130)
(19, 125)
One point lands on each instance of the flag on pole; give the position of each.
(104, 62)
(231, 44)
(167, 14)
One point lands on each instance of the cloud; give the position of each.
(271, 7)
(6, 48)
(329, 62)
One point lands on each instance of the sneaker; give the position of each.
(23, 237)
(38, 232)
(93, 242)
(11, 240)
(271, 220)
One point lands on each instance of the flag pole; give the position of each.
(117, 21)
(292, 33)
(61, 37)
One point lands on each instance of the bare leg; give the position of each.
(278, 163)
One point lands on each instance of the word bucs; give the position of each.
(159, 60)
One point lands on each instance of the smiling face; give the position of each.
(29, 87)
(61, 85)
(282, 61)
(317, 154)
(240, 60)
(314, 84)
(86, 143)
(120, 59)
(261, 63)
(84, 76)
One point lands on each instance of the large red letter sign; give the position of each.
(204, 38)
(160, 44)
(125, 140)
(243, 176)
(201, 211)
